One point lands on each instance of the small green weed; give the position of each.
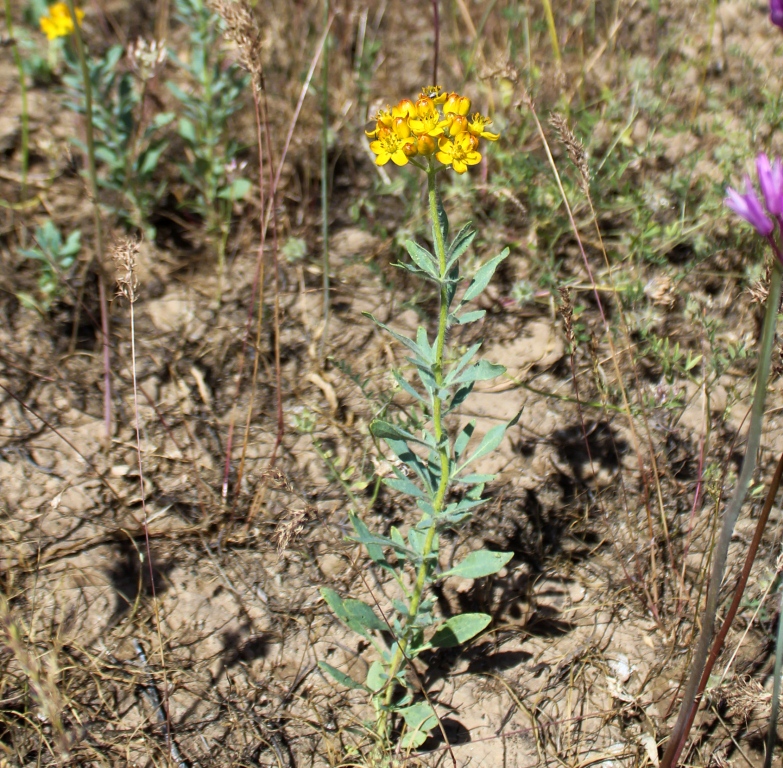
(56, 257)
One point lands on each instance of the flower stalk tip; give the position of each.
(437, 123)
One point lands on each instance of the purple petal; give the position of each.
(749, 207)
(776, 12)
(771, 183)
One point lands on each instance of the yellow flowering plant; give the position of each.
(58, 22)
(434, 133)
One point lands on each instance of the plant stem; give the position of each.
(325, 183)
(23, 91)
(77, 35)
(772, 733)
(437, 423)
(690, 699)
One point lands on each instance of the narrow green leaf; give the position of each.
(459, 366)
(483, 370)
(423, 259)
(420, 719)
(376, 677)
(479, 564)
(473, 479)
(406, 387)
(363, 614)
(385, 430)
(410, 343)
(463, 438)
(460, 396)
(469, 317)
(404, 485)
(443, 219)
(459, 244)
(186, 129)
(482, 278)
(335, 602)
(341, 677)
(491, 441)
(459, 629)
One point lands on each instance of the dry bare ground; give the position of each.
(198, 645)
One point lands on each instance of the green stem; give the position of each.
(23, 90)
(437, 421)
(325, 183)
(772, 733)
(690, 699)
(77, 36)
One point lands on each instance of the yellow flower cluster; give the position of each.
(58, 22)
(437, 123)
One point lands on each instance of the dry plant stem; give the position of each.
(436, 43)
(258, 290)
(690, 698)
(126, 259)
(626, 405)
(437, 425)
(550, 23)
(9, 25)
(97, 217)
(325, 184)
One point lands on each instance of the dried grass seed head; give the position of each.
(124, 254)
(242, 27)
(574, 147)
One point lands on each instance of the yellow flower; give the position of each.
(383, 120)
(459, 153)
(428, 122)
(395, 144)
(58, 23)
(457, 124)
(477, 124)
(406, 108)
(456, 105)
(435, 92)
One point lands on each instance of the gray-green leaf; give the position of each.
(459, 629)
(479, 564)
(482, 278)
(341, 677)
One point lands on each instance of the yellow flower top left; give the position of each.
(58, 22)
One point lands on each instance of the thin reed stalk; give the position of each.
(98, 256)
(9, 25)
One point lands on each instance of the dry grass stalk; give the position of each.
(125, 255)
(41, 677)
(574, 147)
(292, 526)
(243, 29)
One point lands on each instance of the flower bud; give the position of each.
(405, 108)
(426, 145)
(456, 105)
(424, 106)
(409, 148)
(459, 124)
(401, 127)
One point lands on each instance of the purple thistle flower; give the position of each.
(771, 183)
(748, 207)
(776, 12)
